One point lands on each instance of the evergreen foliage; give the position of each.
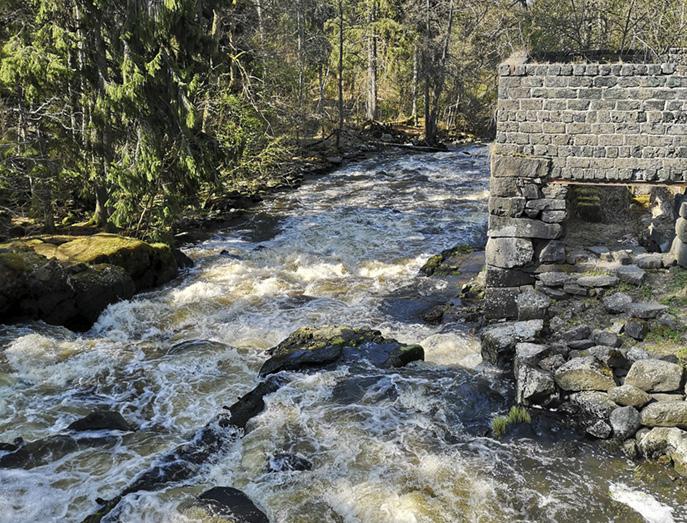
(135, 110)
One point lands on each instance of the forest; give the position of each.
(123, 114)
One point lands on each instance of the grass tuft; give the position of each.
(515, 415)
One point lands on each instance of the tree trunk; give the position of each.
(301, 68)
(102, 211)
(340, 74)
(372, 63)
(429, 132)
(431, 115)
(415, 89)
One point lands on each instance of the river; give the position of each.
(404, 445)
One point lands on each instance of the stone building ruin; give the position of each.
(564, 126)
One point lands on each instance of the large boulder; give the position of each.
(70, 280)
(499, 341)
(584, 373)
(665, 414)
(35, 287)
(655, 375)
(317, 348)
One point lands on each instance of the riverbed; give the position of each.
(403, 445)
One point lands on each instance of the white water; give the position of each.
(401, 446)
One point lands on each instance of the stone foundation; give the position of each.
(557, 124)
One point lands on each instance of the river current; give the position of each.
(402, 445)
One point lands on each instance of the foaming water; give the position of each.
(403, 445)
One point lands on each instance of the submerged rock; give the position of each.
(102, 420)
(42, 451)
(186, 460)
(662, 441)
(231, 503)
(284, 462)
(317, 348)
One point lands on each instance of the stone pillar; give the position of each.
(679, 250)
(526, 218)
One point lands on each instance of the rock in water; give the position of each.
(447, 262)
(102, 420)
(36, 453)
(70, 280)
(186, 459)
(232, 503)
(317, 348)
(499, 340)
(284, 462)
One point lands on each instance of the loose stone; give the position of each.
(597, 281)
(646, 311)
(584, 374)
(554, 279)
(655, 376)
(499, 341)
(629, 396)
(665, 414)
(631, 274)
(617, 303)
(625, 421)
(636, 329)
(535, 386)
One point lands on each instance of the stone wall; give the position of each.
(562, 123)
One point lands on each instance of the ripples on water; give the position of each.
(387, 446)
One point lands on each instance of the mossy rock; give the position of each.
(70, 280)
(327, 347)
(148, 264)
(447, 262)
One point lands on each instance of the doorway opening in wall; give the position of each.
(638, 217)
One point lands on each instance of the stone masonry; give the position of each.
(563, 123)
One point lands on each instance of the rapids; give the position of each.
(386, 446)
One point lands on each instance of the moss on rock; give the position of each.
(69, 280)
(447, 262)
(317, 348)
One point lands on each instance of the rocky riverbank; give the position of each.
(601, 337)
(70, 280)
